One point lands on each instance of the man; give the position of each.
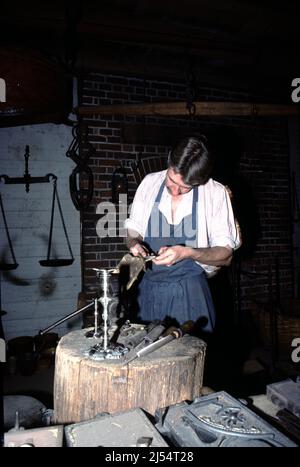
(186, 218)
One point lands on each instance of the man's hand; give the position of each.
(214, 256)
(139, 250)
(135, 244)
(170, 255)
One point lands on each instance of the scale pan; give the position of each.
(8, 266)
(53, 263)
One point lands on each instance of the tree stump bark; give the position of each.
(85, 387)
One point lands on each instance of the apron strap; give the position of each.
(155, 207)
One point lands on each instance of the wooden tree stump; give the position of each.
(85, 387)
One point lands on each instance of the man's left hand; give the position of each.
(170, 255)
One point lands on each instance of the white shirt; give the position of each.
(216, 221)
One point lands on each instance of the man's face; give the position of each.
(174, 183)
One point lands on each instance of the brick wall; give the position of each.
(252, 157)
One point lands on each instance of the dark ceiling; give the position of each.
(248, 44)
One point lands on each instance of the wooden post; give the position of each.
(85, 387)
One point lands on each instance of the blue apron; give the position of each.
(179, 291)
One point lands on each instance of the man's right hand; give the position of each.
(139, 250)
(135, 244)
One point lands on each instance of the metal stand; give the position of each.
(105, 300)
(103, 349)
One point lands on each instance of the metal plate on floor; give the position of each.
(46, 437)
(218, 420)
(123, 429)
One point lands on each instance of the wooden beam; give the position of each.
(233, 109)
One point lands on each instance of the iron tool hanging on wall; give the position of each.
(80, 151)
(62, 261)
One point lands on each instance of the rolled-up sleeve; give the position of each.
(135, 221)
(223, 226)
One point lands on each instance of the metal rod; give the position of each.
(26, 174)
(62, 320)
(7, 231)
(104, 301)
(63, 222)
(96, 316)
(24, 180)
(51, 221)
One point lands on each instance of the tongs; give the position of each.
(150, 257)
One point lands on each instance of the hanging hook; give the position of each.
(81, 197)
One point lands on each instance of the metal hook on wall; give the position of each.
(80, 151)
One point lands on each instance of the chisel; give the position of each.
(134, 353)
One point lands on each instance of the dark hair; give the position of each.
(192, 159)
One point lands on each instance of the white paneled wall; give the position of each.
(34, 296)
